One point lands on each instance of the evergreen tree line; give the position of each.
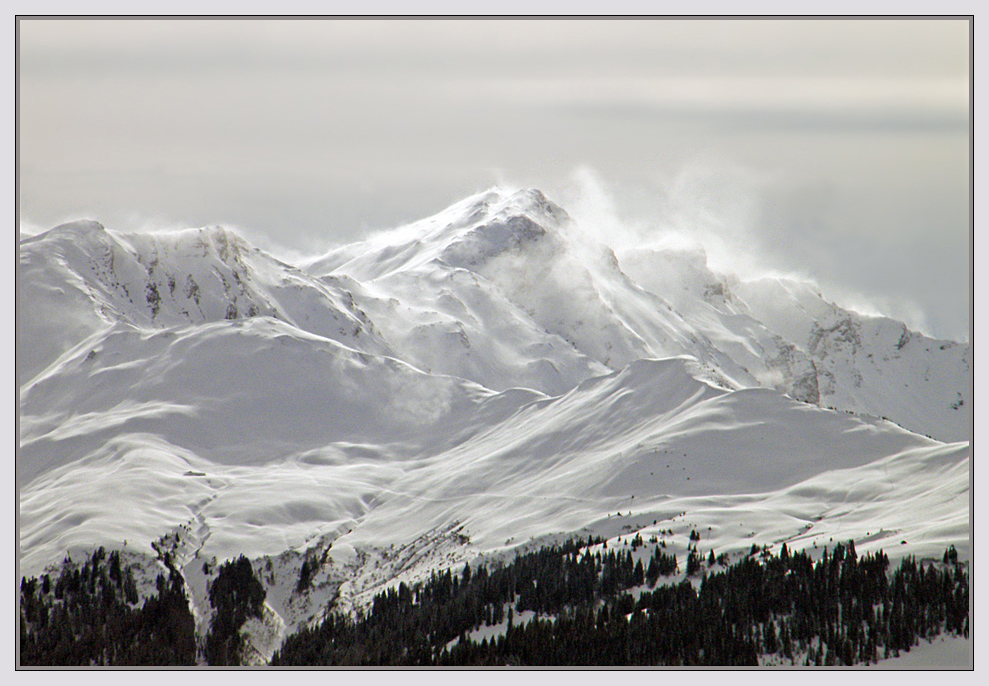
(89, 616)
(841, 610)
(235, 596)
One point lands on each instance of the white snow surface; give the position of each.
(484, 380)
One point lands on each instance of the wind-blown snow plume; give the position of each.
(744, 220)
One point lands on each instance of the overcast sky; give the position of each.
(836, 150)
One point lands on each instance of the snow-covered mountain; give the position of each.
(644, 303)
(79, 278)
(484, 379)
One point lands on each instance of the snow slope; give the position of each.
(753, 465)
(867, 364)
(483, 380)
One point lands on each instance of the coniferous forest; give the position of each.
(841, 610)
(589, 606)
(89, 615)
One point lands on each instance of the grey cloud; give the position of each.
(872, 120)
(551, 48)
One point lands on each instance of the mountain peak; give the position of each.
(79, 233)
(531, 202)
(467, 234)
(80, 226)
(501, 203)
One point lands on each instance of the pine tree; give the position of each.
(693, 563)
